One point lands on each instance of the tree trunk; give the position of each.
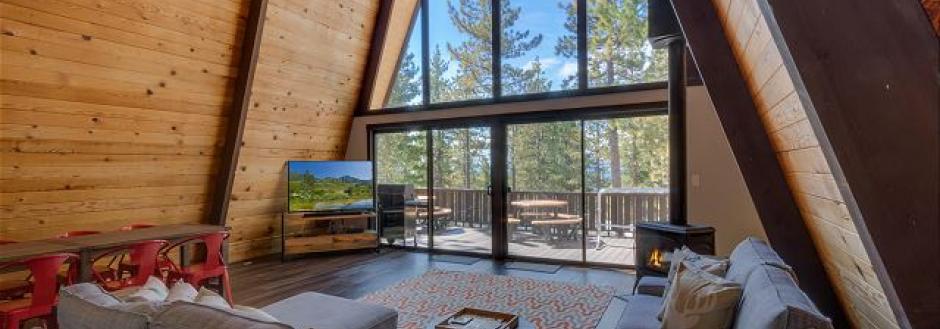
(613, 142)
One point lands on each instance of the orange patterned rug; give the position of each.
(547, 304)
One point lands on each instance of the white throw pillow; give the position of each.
(692, 259)
(211, 298)
(154, 290)
(182, 291)
(253, 313)
(700, 300)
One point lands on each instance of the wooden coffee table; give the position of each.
(523, 322)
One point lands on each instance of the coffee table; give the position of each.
(523, 323)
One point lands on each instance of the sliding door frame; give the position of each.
(498, 123)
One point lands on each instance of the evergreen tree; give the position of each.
(406, 89)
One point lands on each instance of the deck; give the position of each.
(613, 250)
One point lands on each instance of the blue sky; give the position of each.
(358, 169)
(538, 16)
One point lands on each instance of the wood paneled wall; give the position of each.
(808, 172)
(112, 111)
(312, 59)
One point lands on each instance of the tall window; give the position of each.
(618, 52)
(460, 44)
(407, 88)
(538, 54)
(539, 46)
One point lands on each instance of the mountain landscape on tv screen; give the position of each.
(309, 192)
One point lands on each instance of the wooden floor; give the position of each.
(354, 275)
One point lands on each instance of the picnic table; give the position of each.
(544, 216)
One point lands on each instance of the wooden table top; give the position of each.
(119, 238)
(103, 240)
(26, 249)
(546, 203)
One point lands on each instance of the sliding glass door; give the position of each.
(401, 175)
(460, 199)
(544, 217)
(565, 189)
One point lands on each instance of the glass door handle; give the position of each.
(489, 190)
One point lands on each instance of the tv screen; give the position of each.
(329, 186)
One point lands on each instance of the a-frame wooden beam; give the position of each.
(367, 89)
(754, 153)
(867, 75)
(222, 192)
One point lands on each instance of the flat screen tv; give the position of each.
(329, 186)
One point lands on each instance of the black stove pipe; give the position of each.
(678, 214)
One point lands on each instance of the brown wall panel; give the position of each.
(112, 112)
(808, 172)
(311, 63)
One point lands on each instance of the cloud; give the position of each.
(568, 69)
(546, 63)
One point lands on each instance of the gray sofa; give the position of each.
(771, 297)
(86, 306)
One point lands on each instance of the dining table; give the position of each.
(88, 246)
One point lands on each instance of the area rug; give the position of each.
(547, 304)
(534, 267)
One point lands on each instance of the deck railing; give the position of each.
(471, 208)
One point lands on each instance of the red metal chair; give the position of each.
(72, 234)
(137, 226)
(14, 288)
(197, 274)
(45, 288)
(71, 274)
(143, 257)
(123, 266)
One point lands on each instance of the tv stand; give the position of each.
(306, 233)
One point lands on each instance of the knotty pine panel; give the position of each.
(312, 58)
(808, 172)
(113, 111)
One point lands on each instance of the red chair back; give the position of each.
(71, 234)
(143, 254)
(136, 227)
(44, 271)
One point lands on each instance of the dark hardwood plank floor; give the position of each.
(353, 275)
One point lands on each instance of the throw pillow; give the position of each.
(714, 266)
(154, 290)
(211, 298)
(699, 299)
(253, 313)
(182, 291)
(93, 293)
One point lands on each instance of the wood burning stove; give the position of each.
(656, 241)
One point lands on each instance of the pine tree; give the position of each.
(406, 89)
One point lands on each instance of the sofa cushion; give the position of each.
(772, 300)
(314, 310)
(186, 315)
(182, 291)
(640, 312)
(749, 254)
(87, 306)
(700, 300)
(211, 298)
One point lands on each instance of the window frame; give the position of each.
(496, 68)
